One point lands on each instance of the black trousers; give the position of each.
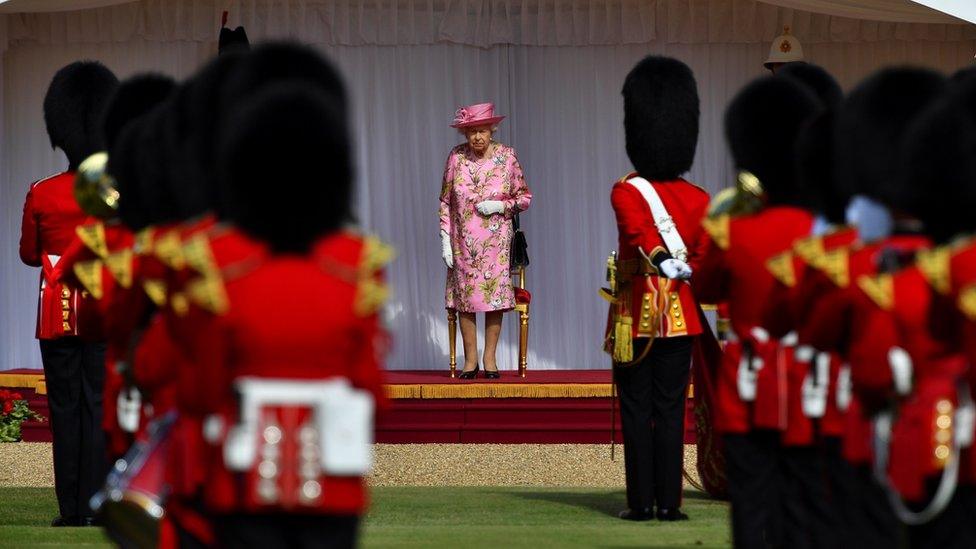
(753, 473)
(74, 371)
(652, 415)
(810, 518)
(270, 531)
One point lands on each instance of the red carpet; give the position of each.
(548, 406)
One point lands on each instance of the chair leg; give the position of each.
(452, 339)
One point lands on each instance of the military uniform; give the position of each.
(663, 314)
(73, 356)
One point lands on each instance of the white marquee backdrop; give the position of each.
(564, 119)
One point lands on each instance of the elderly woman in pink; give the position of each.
(483, 189)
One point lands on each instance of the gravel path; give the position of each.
(29, 464)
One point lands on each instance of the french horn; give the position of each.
(746, 197)
(96, 190)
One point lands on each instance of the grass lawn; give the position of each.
(442, 517)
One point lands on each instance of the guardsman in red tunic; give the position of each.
(811, 419)
(847, 318)
(762, 123)
(931, 450)
(655, 320)
(103, 260)
(72, 356)
(277, 394)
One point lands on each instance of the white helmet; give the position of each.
(785, 49)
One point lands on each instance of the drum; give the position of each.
(131, 503)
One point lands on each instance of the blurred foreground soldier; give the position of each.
(71, 350)
(785, 50)
(812, 418)
(654, 318)
(289, 404)
(936, 498)
(758, 222)
(851, 316)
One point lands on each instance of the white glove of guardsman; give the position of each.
(447, 253)
(675, 269)
(489, 207)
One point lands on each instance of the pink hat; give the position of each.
(482, 114)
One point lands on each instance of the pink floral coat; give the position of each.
(481, 280)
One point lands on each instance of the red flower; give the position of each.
(4, 394)
(8, 407)
(16, 396)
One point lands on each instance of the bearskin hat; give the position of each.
(137, 160)
(938, 154)
(232, 40)
(761, 126)
(661, 117)
(134, 97)
(818, 189)
(870, 125)
(73, 108)
(287, 132)
(189, 131)
(818, 80)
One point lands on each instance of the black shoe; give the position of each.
(492, 374)
(670, 514)
(639, 515)
(469, 374)
(61, 522)
(91, 521)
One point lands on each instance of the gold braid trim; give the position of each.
(881, 289)
(781, 267)
(718, 229)
(119, 264)
(89, 274)
(934, 265)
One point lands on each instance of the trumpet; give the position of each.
(96, 190)
(746, 197)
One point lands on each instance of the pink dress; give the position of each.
(480, 280)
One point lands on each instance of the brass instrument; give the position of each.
(746, 197)
(95, 189)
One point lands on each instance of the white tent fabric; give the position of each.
(564, 119)
(894, 11)
(39, 6)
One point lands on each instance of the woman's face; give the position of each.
(479, 137)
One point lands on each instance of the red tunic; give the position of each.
(734, 270)
(291, 317)
(51, 216)
(686, 204)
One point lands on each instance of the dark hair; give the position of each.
(73, 108)
(761, 126)
(661, 117)
(286, 169)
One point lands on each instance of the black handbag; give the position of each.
(520, 248)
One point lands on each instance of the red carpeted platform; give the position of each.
(428, 406)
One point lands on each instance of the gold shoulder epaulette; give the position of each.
(967, 301)
(93, 236)
(718, 229)
(169, 249)
(208, 293)
(156, 290)
(89, 274)
(836, 265)
(120, 265)
(810, 250)
(781, 267)
(199, 256)
(934, 265)
(376, 255)
(881, 289)
(143, 241)
(372, 292)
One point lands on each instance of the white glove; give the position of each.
(447, 253)
(675, 269)
(489, 207)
